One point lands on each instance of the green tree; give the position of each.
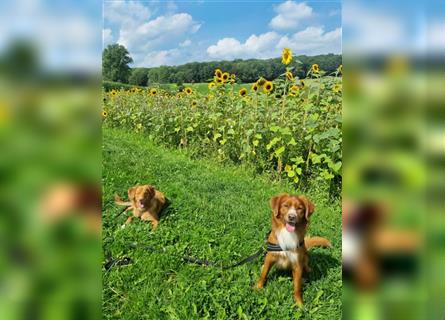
(115, 60)
(20, 60)
(246, 71)
(138, 77)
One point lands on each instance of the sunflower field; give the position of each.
(288, 127)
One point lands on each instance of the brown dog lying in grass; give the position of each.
(146, 203)
(290, 218)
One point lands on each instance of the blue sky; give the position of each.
(69, 33)
(176, 32)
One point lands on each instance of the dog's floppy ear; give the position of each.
(131, 193)
(151, 191)
(310, 207)
(275, 203)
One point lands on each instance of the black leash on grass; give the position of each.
(122, 211)
(208, 263)
(126, 260)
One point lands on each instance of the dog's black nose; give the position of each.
(292, 218)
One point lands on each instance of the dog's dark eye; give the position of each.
(285, 205)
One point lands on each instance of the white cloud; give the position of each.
(125, 13)
(290, 14)
(170, 24)
(313, 40)
(158, 33)
(225, 48)
(310, 41)
(144, 35)
(436, 36)
(159, 58)
(255, 46)
(185, 43)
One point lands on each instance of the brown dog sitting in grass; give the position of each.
(287, 245)
(146, 203)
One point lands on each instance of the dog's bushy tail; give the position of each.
(119, 201)
(316, 242)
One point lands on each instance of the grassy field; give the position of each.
(216, 213)
(203, 87)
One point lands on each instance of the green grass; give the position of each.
(203, 87)
(215, 213)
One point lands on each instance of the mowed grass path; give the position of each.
(216, 213)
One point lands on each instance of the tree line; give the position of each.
(246, 71)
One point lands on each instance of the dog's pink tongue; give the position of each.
(290, 228)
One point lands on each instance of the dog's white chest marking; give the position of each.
(288, 241)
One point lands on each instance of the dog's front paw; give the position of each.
(298, 300)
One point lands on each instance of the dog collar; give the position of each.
(272, 247)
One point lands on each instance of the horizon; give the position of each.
(238, 59)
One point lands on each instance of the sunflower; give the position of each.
(153, 92)
(268, 86)
(286, 56)
(255, 87)
(337, 88)
(188, 90)
(242, 92)
(289, 76)
(194, 103)
(260, 82)
(340, 69)
(211, 85)
(218, 73)
(232, 76)
(302, 83)
(315, 68)
(218, 80)
(225, 76)
(113, 93)
(104, 114)
(294, 90)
